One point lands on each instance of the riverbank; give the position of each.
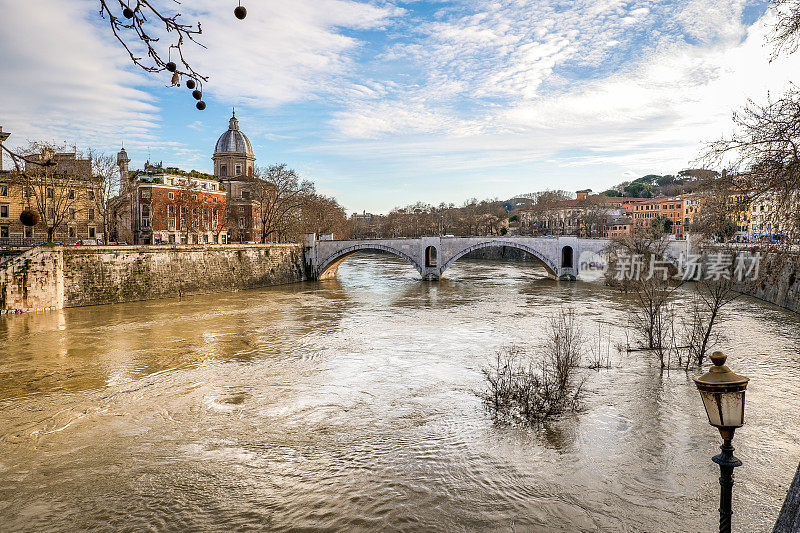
(74, 276)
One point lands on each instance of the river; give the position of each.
(351, 404)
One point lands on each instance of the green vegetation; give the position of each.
(662, 224)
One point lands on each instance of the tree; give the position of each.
(278, 193)
(661, 224)
(137, 29)
(711, 295)
(107, 177)
(54, 194)
(762, 156)
(321, 214)
(648, 279)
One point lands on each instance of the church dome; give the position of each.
(234, 141)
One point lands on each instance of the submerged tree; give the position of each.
(530, 389)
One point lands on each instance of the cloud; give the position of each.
(651, 109)
(62, 79)
(66, 77)
(285, 50)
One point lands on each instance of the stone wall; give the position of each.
(73, 276)
(781, 288)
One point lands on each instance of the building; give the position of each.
(170, 206)
(692, 204)
(671, 207)
(234, 167)
(586, 216)
(63, 193)
(233, 154)
(620, 228)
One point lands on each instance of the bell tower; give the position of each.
(122, 162)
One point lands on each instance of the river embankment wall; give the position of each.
(778, 283)
(73, 276)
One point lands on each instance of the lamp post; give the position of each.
(722, 392)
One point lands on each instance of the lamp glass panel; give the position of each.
(724, 409)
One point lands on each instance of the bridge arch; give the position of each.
(330, 265)
(545, 262)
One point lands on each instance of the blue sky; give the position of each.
(383, 103)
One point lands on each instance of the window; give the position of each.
(50, 192)
(3, 232)
(3, 189)
(71, 194)
(145, 223)
(28, 232)
(145, 211)
(205, 238)
(90, 194)
(3, 211)
(171, 210)
(224, 239)
(145, 194)
(72, 213)
(29, 191)
(213, 187)
(238, 169)
(91, 213)
(71, 232)
(245, 195)
(92, 233)
(171, 238)
(241, 209)
(223, 170)
(171, 224)
(171, 196)
(215, 199)
(203, 185)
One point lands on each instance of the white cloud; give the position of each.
(284, 51)
(63, 80)
(651, 111)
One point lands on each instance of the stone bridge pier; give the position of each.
(562, 257)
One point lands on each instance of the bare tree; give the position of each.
(138, 25)
(107, 188)
(638, 267)
(278, 192)
(322, 214)
(762, 156)
(54, 193)
(523, 389)
(786, 32)
(711, 295)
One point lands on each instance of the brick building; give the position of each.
(175, 207)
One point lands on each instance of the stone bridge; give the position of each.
(562, 257)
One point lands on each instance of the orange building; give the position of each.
(671, 207)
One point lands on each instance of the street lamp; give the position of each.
(722, 392)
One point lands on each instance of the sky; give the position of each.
(384, 103)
